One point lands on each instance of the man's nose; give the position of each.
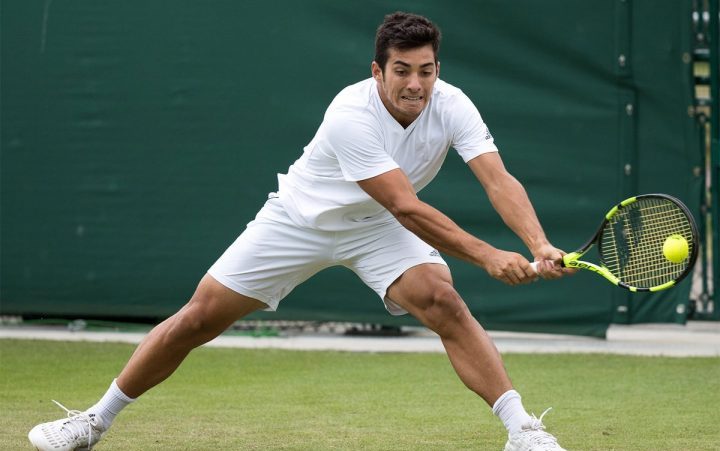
(414, 82)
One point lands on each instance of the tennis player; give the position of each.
(351, 200)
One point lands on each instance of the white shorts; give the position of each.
(274, 255)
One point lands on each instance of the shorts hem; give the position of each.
(393, 308)
(236, 287)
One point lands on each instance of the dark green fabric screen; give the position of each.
(138, 139)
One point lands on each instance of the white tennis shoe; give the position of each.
(78, 432)
(532, 437)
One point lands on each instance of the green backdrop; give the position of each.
(138, 139)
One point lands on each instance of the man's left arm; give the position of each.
(509, 198)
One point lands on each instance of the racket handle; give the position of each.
(534, 266)
(557, 263)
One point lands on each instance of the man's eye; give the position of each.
(399, 72)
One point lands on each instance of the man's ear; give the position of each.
(376, 71)
(437, 70)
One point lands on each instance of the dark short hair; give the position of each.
(404, 31)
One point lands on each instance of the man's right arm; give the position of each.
(394, 191)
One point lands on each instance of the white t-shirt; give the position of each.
(359, 139)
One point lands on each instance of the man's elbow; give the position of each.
(403, 209)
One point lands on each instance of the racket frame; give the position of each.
(572, 259)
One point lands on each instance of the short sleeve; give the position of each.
(471, 137)
(358, 147)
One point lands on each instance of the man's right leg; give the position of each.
(211, 310)
(270, 258)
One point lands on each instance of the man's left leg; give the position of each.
(427, 293)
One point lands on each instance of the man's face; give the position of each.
(407, 84)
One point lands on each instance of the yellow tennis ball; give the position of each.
(675, 248)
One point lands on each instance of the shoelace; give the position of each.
(72, 429)
(536, 431)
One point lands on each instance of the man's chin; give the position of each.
(413, 112)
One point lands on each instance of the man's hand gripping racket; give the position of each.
(645, 243)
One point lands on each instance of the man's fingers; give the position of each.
(548, 269)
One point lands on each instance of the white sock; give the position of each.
(511, 412)
(111, 404)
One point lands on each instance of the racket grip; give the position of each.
(557, 264)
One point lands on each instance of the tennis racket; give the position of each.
(630, 243)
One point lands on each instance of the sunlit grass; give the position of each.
(237, 399)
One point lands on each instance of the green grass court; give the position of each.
(236, 399)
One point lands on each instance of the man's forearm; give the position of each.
(511, 202)
(436, 229)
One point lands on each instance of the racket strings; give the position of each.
(632, 242)
(636, 253)
(646, 261)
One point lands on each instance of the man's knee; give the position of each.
(444, 309)
(206, 316)
(191, 321)
(189, 326)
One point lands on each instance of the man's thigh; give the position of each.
(381, 255)
(416, 288)
(272, 256)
